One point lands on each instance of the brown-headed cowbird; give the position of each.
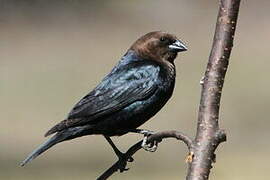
(134, 91)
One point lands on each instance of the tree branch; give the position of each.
(209, 136)
(157, 137)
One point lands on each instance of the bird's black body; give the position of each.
(134, 91)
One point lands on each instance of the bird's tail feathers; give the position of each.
(58, 127)
(59, 137)
(62, 125)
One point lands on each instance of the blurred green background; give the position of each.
(53, 52)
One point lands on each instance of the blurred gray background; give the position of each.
(54, 52)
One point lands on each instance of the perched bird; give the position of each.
(134, 91)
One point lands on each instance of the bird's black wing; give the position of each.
(119, 89)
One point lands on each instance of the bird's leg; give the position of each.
(121, 156)
(116, 150)
(152, 147)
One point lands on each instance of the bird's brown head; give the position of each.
(158, 46)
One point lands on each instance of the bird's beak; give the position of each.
(178, 46)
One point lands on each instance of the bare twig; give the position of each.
(121, 163)
(209, 136)
(171, 134)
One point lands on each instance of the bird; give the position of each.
(137, 87)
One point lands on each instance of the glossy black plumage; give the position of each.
(134, 91)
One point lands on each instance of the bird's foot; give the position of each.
(122, 162)
(152, 147)
(123, 157)
(122, 166)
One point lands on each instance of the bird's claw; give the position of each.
(152, 147)
(122, 166)
(122, 162)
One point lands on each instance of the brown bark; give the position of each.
(209, 135)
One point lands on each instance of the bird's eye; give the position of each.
(162, 39)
